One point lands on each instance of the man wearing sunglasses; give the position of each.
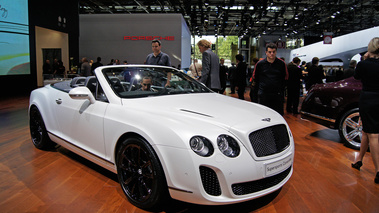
(146, 84)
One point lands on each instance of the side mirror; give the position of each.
(82, 93)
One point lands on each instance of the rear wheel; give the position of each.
(38, 130)
(141, 175)
(350, 129)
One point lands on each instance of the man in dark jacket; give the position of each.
(223, 71)
(293, 85)
(270, 75)
(96, 65)
(232, 78)
(315, 73)
(241, 76)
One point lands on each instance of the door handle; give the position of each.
(58, 101)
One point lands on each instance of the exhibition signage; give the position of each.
(328, 38)
(149, 38)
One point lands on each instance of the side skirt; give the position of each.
(89, 156)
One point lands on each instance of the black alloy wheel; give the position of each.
(141, 175)
(350, 129)
(38, 130)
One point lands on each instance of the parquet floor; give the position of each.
(60, 181)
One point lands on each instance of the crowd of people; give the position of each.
(269, 79)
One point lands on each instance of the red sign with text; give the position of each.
(149, 38)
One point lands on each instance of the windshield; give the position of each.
(133, 81)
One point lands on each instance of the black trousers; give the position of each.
(232, 86)
(254, 94)
(293, 98)
(274, 101)
(241, 92)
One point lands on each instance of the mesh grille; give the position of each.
(259, 185)
(269, 140)
(210, 181)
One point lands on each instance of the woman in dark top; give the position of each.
(368, 71)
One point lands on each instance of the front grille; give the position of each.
(210, 181)
(270, 140)
(259, 185)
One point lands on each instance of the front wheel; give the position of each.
(38, 130)
(140, 174)
(350, 129)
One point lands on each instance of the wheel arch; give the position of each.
(121, 139)
(134, 134)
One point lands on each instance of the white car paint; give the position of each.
(92, 129)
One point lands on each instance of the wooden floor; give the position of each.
(60, 181)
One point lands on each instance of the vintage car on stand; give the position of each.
(178, 139)
(335, 105)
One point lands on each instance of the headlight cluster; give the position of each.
(226, 144)
(201, 146)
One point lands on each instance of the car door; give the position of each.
(82, 123)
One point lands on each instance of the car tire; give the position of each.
(38, 131)
(141, 175)
(350, 129)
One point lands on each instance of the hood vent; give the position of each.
(184, 110)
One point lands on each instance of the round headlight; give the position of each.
(228, 146)
(201, 146)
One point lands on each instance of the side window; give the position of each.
(100, 95)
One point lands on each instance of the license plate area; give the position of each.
(277, 166)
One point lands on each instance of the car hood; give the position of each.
(349, 83)
(220, 110)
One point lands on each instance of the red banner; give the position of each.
(149, 38)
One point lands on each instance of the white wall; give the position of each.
(46, 38)
(342, 47)
(103, 35)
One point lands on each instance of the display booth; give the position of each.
(128, 37)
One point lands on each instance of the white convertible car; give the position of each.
(165, 135)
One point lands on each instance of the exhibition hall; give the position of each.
(189, 106)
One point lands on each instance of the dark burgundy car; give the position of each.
(335, 105)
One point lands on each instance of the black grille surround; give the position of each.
(210, 181)
(269, 140)
(259, 185)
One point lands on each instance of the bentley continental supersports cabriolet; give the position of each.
(165, 135)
